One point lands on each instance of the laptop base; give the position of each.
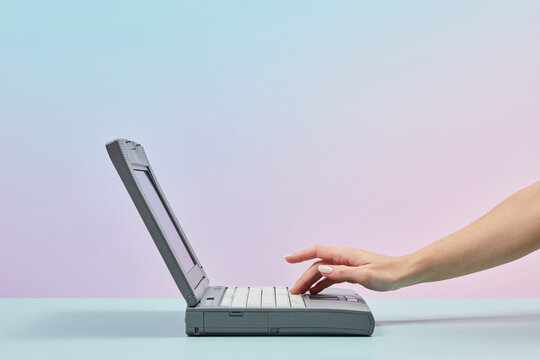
(319, 317)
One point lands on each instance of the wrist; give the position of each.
(408, 270)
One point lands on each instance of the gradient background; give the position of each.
(271, 126)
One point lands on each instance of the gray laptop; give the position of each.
(230, 310)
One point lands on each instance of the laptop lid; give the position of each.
(134, 169)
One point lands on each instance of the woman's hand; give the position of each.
(339, 264)
(509, 231)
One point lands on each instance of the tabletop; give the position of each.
(494, 328)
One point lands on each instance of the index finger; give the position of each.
(331, 253)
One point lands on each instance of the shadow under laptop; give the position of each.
(464, 319)
(116, 324)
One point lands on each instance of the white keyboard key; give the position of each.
(282, 297)
(268, 297)
(254, 297)
(297, 301)
(227, 299)
(281, 290)
(240, 297)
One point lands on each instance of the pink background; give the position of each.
(271, 127)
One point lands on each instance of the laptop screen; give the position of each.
(176, 244)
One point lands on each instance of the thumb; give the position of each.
(341, 273)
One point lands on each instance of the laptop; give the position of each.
(230, 310)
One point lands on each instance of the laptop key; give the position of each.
(297, 301)
(254, 297)
(268, 297)
(228, 297)
(240, 297)
(282, 297)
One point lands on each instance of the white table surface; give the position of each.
(154, 329)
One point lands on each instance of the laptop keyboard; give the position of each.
(261, 296)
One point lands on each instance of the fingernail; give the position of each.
(286, 256)
(325, 269)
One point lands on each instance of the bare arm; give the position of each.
(509, 231)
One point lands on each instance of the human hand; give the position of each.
(344, 264)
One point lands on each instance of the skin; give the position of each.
(508, 232)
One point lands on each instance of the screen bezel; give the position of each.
(128, 157)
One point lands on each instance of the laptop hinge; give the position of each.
(199, 290)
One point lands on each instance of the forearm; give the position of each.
(509, 231)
